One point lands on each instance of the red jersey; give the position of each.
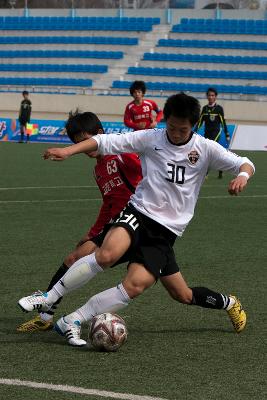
(117, 177)
(141, 113)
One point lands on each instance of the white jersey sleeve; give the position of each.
(221, 159)
(123, 143)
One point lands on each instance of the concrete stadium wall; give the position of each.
(111, 108)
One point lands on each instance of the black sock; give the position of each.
(58, 275)
(205, 297)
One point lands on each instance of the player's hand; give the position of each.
(237, 185)
(56, 154)
(153, 124)
(141, 125)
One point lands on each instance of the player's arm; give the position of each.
(223, 123)
(128, 121)
(221, 159)
(240, 182)
(62, 153)
(159, 114)
(200, 121)
(105, 144)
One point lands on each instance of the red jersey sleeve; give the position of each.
(157, 110)
(128, 119)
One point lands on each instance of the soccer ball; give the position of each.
(107, 332)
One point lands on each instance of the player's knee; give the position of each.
(134, 289)
(105, 258)
(71, 259)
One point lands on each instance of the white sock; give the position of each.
(77, 275)
(231, 303)
(108, 301)
(46, 317)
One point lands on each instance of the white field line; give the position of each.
(47, 187)
(86, 187)
(48, 201)
(76, 389)
(229, 197)
(100, 199)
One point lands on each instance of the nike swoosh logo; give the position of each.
(157, 149)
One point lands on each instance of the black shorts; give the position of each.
(152, 243)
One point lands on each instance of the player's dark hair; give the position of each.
(138, 85)
(211, 89)
(80, 124)
(25, 92)
(182, 106)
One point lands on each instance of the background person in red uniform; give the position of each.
(141, 113)
(117, 177)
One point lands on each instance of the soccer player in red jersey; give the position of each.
(141, 113)
(117, 177)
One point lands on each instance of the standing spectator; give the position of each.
(141, 113)
(24, 115)
(212, 115)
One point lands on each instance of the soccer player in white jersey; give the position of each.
(174, 163)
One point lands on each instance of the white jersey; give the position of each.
(172, 174)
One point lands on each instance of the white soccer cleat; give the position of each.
(36, 301)
(71, 331)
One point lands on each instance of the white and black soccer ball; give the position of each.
(107, 332)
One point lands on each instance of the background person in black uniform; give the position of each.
(212, 115)
(24, 115)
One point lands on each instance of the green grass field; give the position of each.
(173, 351)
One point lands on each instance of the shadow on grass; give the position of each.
(181, 330)
(8, 334)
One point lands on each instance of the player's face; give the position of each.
(178, 129)
(138, 95)
(211, 97)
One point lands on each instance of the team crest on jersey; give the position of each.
(193, 156)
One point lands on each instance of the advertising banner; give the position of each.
(249, 137)
(52, 131)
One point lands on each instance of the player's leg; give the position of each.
(22, 128)
(44, 320)
(204, 297)
(83, 250)
(138, 279)
(115, 244)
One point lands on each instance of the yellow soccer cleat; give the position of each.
(35, 324)
(237, 315)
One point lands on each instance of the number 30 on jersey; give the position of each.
(176, 173)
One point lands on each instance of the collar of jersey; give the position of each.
(179, 144)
